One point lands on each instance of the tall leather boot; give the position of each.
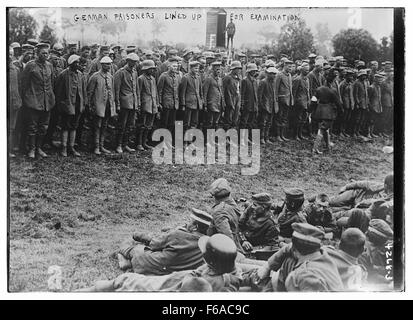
(300, 133)
(119, 138)
(65, 135)
(326, 136)
(283, 134)
(102, 142)
(369, 130)
(72, 139)
(267, 135)
(145, 140)
(139, 139)
(279, 134)
(262, 135)
(39, 143)
(96, 140)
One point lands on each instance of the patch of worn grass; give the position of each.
(76, 212)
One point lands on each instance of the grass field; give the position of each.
(76, 212)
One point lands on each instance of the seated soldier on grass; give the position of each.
(318, 214)
(257, 225)
(174, 251)
(378, 248)
(302, 265)
(351, 246)
(219, 273)
(361, 194)
(357, 218)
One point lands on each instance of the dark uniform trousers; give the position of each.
(281, 119)
(168, 117)
(212, 119)
(126, 123)
(191, 118)
(146, 120)
(37, 123)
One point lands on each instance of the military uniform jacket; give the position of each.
(37, 85)
(213, 94)
(249, 94)
(374, 260)
(225, 217)
(286, 218)
(316, 81)
(231, 86)
(168, 90)
(387, 94)
(266, 96)
(284, 88)
(70, 88)
(127, 94)
(14, 99)
(352, 273)
(184, 66)
(149, 94)
(174, 251)
(100, 92)
(360, 95)
(301, 92)
(375, 98)
(258, 230)
(314, 272)
(190, 95)
(347, 95)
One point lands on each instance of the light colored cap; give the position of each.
(106, 60)
(73, 58)
(132, 56)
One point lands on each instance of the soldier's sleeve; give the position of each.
(159, 243)
(227, 94)
(307, 281)
(182, 91)
(118, 81)
(25, 78)
(260, 94)
(59, 87)
(161, 83)
(243, 92)
(356, 89)
(222, 224)
(296, 84)
(244, 217)
(91, 88)
(271, 233)
(365, 185)
(205, 89)
(140, 88)
(277, 259)
(330, 223)
(276, 86)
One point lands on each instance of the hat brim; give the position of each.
(202, 242)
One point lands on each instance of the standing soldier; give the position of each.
(149, 103)
(267, 105)
(101, 101)
(214, 102)
(232, 97)
(190, 96)
(38, 97)
(284, 98)
(168, 85)
(249, 101)
(326, 111)
(14, 100)
(70, 101)
(301, 94)
(59, 64)
(360, 101)
(127, 99)
(387, 103)
(316, 80)
(185, 62)
(172, 53)
(346, 91)
(375, 106)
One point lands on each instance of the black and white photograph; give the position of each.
(205, 149)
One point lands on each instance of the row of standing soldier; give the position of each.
(57, 89)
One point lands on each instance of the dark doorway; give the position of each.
(222, 23)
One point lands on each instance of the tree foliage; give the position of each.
(22, 26)
(48, 34)
(356, 44)
(323, 36)
(296, 40)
